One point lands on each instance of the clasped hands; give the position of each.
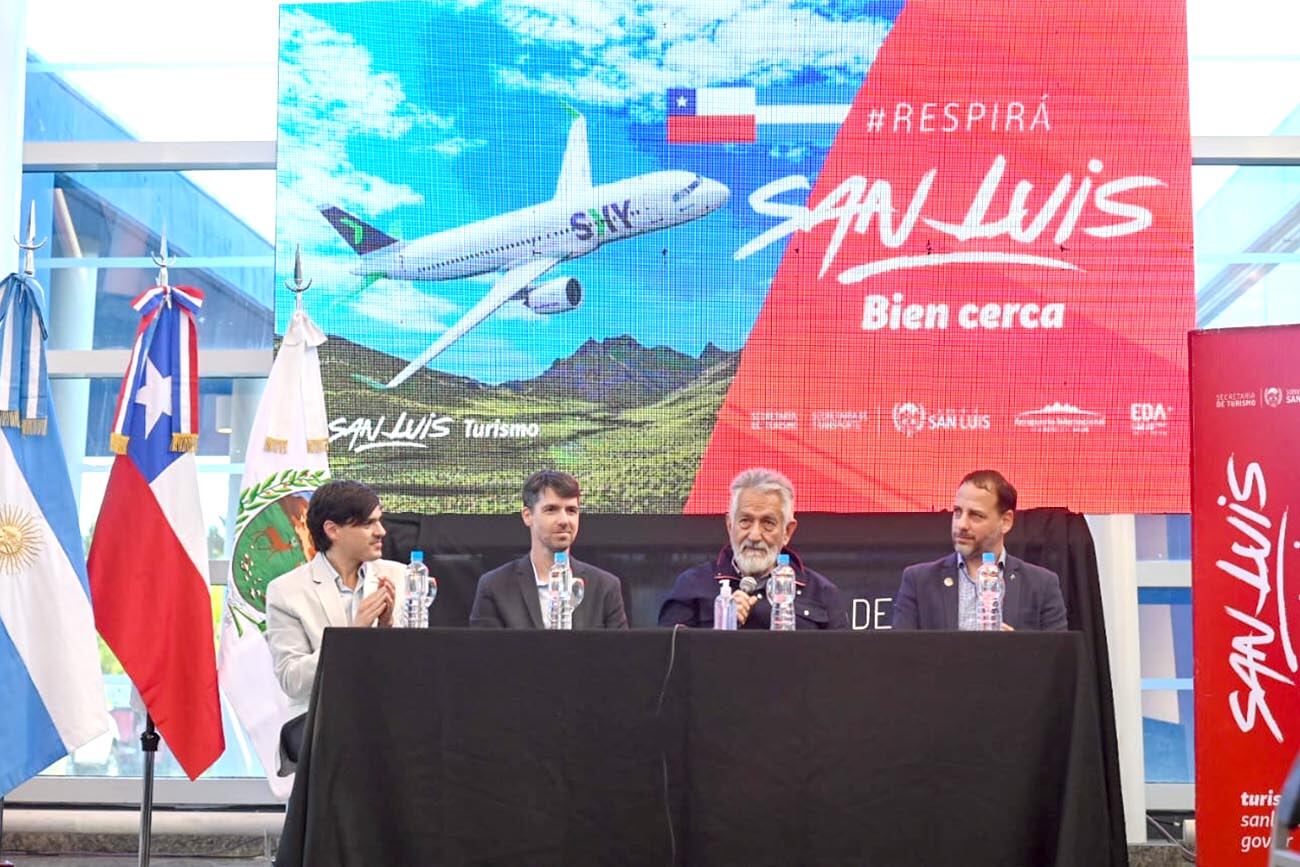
(377, 607)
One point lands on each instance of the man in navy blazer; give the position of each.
(514, 596)
(941, 594)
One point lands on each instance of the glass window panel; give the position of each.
(1164, 537)
(1239, 54)
(1168, 726)
(1257, 295)
(160, 72)
(1247, 245)
(105, 226)
(247, 194)
(1168, 729)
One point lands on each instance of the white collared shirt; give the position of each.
(543, 594)
(350, 596)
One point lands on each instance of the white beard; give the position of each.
(755, 562)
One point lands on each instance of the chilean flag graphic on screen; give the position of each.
(712, 115)
(992, 269)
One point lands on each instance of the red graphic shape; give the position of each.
(1092, 108)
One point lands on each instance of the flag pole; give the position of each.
(149, 737)
(149, 746)
(4, 862)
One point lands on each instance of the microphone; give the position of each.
(749, 585)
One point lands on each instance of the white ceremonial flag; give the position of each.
(287, 460)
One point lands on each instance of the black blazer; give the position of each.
(506, 598)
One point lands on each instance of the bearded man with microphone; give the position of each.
(760, 523)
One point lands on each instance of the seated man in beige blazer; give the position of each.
(345, 584)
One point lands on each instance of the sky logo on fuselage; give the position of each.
(599, 222)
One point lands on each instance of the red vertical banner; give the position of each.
(1245, 400)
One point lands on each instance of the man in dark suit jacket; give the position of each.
(760, 524)
(941, 594)
(514, 596)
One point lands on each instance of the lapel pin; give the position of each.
(947, 582)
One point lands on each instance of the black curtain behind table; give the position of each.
(863, 554)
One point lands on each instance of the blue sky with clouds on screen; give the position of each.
(421, 117)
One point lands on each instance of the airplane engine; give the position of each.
(555, 296)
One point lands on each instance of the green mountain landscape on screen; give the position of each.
(630, 422)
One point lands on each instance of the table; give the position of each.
(456, 746)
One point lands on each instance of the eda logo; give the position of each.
(1150, 418)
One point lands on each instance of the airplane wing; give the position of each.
(506, 287)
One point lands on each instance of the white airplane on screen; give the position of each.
(525, 244)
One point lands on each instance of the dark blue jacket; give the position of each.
(928, 596)
(817, 604)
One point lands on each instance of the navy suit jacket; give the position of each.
(506, 598)
(690, 602)
(927, 598)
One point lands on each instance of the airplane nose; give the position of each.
(718, 194)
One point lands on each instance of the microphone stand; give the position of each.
(149, 746)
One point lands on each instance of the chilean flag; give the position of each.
(712, 115)
(148, 560)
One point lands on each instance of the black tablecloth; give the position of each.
(697, 748)
(863, 554)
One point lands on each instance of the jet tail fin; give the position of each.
(575, 171)
(361, 236)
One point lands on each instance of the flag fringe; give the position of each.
(318, 446)
(9, 418)
(185, 442)
(277, 445)
(117, 443)
(34, 427)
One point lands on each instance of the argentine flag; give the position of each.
(51, 690)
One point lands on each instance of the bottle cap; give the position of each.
(561, 557)
(417, 556)
(724, 585)
(783, 559)
(989, 557)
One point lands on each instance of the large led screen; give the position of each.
(873, 245)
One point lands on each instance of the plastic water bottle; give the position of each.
(724, 607)
(560, 584)
(417, 589)
(780, 592)
(990, 589)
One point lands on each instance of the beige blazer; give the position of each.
(300, 605)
